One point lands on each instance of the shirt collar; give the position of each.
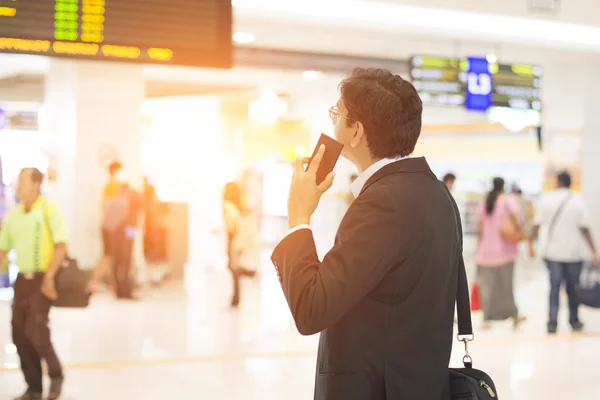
(35, 204)
(362, 179)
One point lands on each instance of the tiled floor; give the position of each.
(182, 341)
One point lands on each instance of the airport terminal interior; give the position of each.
(176, 102)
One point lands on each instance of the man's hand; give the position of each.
(531, 251)
(304, 192)
(3, 262)
(48, 288)
(595, 258)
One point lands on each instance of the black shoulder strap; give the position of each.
(463, 303)
(556, 215)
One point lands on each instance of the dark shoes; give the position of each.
(29, 396)
(56, 385)
(576, 326)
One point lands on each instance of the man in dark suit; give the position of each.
(383, 297)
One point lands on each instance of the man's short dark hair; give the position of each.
(389, 108)
(564, 179)
(449, 177)
(114, 167)
(35, 175)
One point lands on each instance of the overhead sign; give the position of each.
(438, 80)
(476, 83)
(518, 86)
(175, 32)
(479, 84)
(19, 120)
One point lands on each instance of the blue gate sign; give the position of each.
(479, 84)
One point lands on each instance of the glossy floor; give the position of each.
(182, 341)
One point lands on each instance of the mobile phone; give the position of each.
(333, 149)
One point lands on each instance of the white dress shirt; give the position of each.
(358, 184)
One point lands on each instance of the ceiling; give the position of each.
(335, 31)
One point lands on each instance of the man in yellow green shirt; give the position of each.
(36, 230)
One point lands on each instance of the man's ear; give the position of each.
(359, 133)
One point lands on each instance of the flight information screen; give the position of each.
(518, 86)
(439, 81)
(175, 32)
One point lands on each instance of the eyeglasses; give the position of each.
(334, 114)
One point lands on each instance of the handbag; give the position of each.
(468, 383)
(71, 283)
(588, 290)
(510, 232)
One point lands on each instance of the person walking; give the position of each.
(36, 230)
(241, 238)
(496, 255)
(565, 215)
(449, 180)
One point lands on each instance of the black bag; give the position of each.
(71, 283)
(468, 383)
(588, 290)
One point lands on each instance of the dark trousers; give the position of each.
(569, 274)
(121, 248)
(31, 332)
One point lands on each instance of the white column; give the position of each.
(92, 111)
(591, 146)
(186, 136)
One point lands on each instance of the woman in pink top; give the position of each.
(495, 257)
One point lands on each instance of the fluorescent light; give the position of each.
(268, 108)
(243, 37)
(386, 16)
(311, 75)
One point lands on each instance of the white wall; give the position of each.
(569, 10)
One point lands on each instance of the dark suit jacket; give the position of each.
(383, 297)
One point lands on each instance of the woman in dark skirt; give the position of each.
(495, 256)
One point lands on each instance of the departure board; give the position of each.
(517, 86)
(439, 81)
(173, 32)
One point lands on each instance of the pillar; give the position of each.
(590, 180)
(91, 115)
